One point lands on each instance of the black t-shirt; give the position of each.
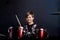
(30, 29)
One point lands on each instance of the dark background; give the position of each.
(42, 9)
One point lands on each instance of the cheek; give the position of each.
(32, 19)
(28, 20)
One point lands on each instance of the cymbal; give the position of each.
(56, 13)
(2, 35)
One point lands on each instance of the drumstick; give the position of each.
(18, 20)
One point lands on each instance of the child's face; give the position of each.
(29, 18)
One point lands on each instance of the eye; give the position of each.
(29, 17)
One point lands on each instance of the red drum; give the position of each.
(41, 33)
(10, 30)
(20, 32)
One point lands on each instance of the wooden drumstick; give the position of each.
(18, 20)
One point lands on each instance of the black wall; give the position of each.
(42, 9)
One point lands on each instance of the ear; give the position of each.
(33, 17)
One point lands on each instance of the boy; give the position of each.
(30, 29)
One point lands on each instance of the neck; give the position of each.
(31, 23)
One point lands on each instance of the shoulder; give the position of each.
(36, 25)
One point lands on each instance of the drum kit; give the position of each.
(41, 32)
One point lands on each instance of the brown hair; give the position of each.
(29, 13)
